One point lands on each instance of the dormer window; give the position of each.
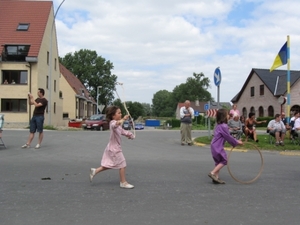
(16, 52)
(23, 26)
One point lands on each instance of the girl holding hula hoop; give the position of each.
(221, 134)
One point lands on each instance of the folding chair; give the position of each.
(271, 137)
(294, 138)
(1, 141)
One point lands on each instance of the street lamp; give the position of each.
(50, 65)
(98, 98)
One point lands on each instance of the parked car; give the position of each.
(138, 126)
(126, 125)
(96, 122)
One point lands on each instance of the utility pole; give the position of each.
(98, 98)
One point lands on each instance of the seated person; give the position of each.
(242, 119)
(292, 125)
(249, 127)
(277, 129)
(234, 110)
(284, 120)
(235, 126)
(297, 127)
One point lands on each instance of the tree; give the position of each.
(162, 104)
(147, 109)
(135, 108)
(93, 71)
(195, 88)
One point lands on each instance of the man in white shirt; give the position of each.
(186, 116)
(277, 129)
(297, 127)
(292, 125)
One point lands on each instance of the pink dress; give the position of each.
(113, 156)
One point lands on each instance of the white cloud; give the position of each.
(156, 45)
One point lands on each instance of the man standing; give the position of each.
(186, 116)
(37, 120)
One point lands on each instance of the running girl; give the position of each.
(113, 157)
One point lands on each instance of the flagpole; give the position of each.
(288, 80)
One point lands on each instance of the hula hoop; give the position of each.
(259, 173)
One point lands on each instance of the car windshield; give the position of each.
(97, 117)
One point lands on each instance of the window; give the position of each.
(55, 85)
(55, 63)
(16, 52)
(270, 111)
(252, 91)
(260, 111)
(54, 107)
(252, 110)
(15, 76)
(262, 89)
(245, 112)
(23, 26)
(47, 82)
(60, 94)
(13, 105)
(65, 115)
(47, 58)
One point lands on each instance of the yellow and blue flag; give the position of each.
(281, 58)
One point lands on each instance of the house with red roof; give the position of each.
(29, 60)
(77, 102)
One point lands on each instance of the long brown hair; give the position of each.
(222, 116)
(110, 112)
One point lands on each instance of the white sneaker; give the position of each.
(126, 185)
(37, 146)
(26, 146)
(92, 174)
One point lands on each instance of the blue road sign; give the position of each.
(196, 113)
(217, 76)
(206, 107)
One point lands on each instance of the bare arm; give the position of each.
(33, 102)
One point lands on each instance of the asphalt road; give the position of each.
(50, 186)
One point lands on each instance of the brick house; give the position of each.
(262, 91)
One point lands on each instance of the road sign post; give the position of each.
(217, 80)
(196, 114)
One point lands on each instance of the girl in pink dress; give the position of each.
(113, 157)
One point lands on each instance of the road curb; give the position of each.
(290, 153)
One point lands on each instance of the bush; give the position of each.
(173, 122)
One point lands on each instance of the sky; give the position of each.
(156, 45)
